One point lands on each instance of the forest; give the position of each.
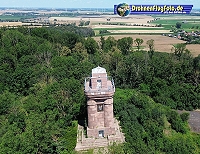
(42, 73)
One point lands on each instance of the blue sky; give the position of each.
(89, 3)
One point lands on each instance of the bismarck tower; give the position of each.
(99, 89)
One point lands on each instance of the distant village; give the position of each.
(189, 37)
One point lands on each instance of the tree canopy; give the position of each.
(42, 72)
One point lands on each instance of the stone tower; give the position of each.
(99, 89)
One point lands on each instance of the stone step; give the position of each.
(89, 147)
(100, 145)
(82, 148)
(94, 145)
(100, 142)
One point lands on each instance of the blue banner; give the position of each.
(124, 9)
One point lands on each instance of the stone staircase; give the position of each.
(100, 142)
(84, 143)
(91, 143)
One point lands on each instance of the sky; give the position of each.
(90, 3)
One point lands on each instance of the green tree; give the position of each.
(81, 23)
(91, 45)
(125, 44)
(102, 42)
(116, 148)
(179, 49)
(150, 44)
(113, 59)
(6, 101)
(80, 51)
(87, 23)
(178, 25)
(185, 116)
(138, 42)
(44, 54)
(62, 67)
(65, 51)
(196, 63)
(109, 43)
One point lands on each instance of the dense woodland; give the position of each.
(42, 73)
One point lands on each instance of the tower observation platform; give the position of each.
(99, 84)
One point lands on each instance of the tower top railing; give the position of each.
(109, 88)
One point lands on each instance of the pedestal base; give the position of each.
(100, 132)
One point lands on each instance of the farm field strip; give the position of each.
(175, 17)
(124, 26)
(126, 34)
(173, 22)
(139, 31)
(7, 17)
(138, 28)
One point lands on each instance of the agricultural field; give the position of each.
(114, 24)
(133, 19)
(141, 26)
(162, 43)
(11, 17)
(134, 24)
(16, 24)
(3, 24)
(139, 31)
(188, 23)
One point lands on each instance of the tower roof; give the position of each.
(98, 70)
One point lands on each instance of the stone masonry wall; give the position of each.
(95, 119)
(108, 113)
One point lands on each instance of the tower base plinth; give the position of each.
(100, 132)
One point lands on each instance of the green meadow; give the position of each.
(187, 24)
(15, 17)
